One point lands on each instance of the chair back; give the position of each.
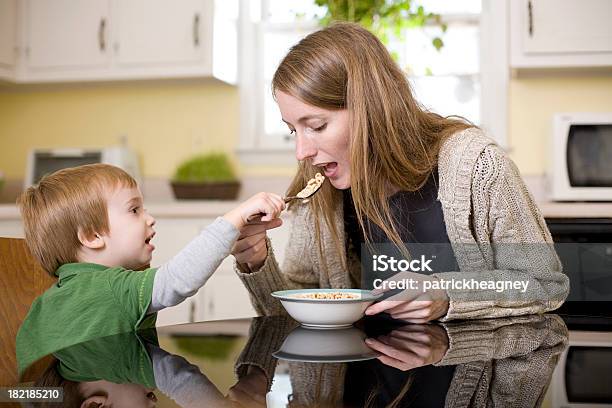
(22, 280)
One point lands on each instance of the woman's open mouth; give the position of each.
(330, 169)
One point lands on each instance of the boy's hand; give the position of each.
(268, 204)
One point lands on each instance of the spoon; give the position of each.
(314, 185)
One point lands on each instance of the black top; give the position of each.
(419, 220)
(373, 381)
(418, 215)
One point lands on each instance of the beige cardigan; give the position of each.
(484, 202)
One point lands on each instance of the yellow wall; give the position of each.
(168, 121)
(534, 100)
(165, 122)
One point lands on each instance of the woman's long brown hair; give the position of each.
(394, 141)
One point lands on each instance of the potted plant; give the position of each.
(207, 176)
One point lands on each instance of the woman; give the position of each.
(397, 173)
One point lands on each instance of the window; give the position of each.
(447, 81)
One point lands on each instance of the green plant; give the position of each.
(384, 18)
(212, 167)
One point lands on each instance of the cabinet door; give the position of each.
(8, 21)
(172, 235)
(11, 229)
(67, 33)
(153, 32)
(567, 26)
(224, 297)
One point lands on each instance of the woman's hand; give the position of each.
(413, 305)
(411, 346)
(250, 249)
(250, 390)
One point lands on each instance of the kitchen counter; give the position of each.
(214, 208)
(160, 202)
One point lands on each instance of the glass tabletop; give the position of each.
(521, 361)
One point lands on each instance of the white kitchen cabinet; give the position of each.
(8, 38)
(224, 296)
(11, 229)
(64, 34)
(106, 40)
(560, 33)
(153, 32)
(172, 234)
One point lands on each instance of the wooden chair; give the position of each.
(22, 279)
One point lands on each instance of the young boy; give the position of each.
(87, 226)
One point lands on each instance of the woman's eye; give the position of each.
(134, 210)
(320, 128)
(292, 132)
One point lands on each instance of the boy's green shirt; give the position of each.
(121, 358)
(88, 301)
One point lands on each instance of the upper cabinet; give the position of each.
(101, 40)
(154, 32)
(560, 33)
(67, 34)
(8, 38)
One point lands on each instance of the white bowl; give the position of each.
(325, 313)
(325, 346)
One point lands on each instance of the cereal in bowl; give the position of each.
(327, 296)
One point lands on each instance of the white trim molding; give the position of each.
(495, 69)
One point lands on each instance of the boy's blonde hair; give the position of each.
(64, 203)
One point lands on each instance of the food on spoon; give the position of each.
(312, 186)
(327, 295)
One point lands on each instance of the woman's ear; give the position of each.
(95, 401)
(93, 241)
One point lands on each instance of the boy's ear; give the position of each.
(94, 241)
(95, 401)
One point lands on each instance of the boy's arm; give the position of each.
(182, 381)
(187, 271)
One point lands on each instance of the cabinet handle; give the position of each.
(196, 30)
(530, 16)
(192, 307)
(101, 34)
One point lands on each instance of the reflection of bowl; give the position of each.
(325, 346)
(325, 313)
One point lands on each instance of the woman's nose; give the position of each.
(304, 148)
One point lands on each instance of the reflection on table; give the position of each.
(273, 361)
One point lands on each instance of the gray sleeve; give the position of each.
(182, 381)
(189, 270)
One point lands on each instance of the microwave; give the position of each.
(46, 161)
(579, 379)
(580, 167)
